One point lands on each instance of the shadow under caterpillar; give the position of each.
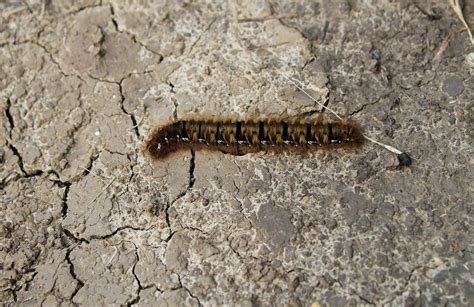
(242, 136)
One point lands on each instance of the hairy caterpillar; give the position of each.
(241, 136)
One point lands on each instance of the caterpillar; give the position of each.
(241, 136)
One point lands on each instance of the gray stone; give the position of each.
(177, 253)
(453, 86)
(275, 224)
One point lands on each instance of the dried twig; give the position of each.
(261, 19)
(14, 11)
(458, 10)
(442, 48)
(101, 192)
(299, 86)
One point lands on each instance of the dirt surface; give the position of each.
(86, 218)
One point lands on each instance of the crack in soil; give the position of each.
(192, 180)
(239, 256)
(13, 148)
(56, 63)
(187, 290)
(64, 208)
(137, 298)
(113, 233)
(352, 291)
(15, 297)
(79, 10)
(192, 166)
(72, 271)
(132, 36)
(21, 164)
(206, 29)
(131, 115)
(132, 170)
(70, 235)
(363, 107)
(9, 116)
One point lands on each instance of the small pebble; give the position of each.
(390, 162)
(404, 159)
(376, 55)
(470, 59)
(453, 86)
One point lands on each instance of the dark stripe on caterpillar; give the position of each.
(241, 136)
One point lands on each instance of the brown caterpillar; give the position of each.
(242, 136)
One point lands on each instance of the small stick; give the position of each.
(14, 11)
(91, 172)
(260, 19)
(43, 9)
(103, 190)
(442, 48)
(458, 10)
(300, 87)
(403, 157)
(138, 124)
(388, 147)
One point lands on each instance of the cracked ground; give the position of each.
(87, 219)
